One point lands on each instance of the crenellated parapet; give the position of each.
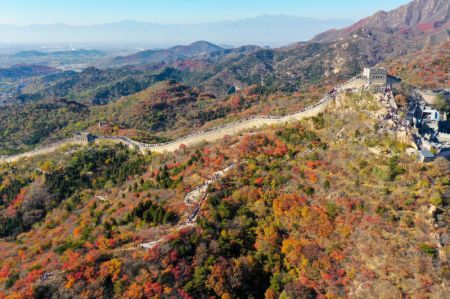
(207, 135)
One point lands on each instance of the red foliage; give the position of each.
(184, 295)
(177, 272)
(235, 102)
(152, 254)
(259, 181)
(152, 289)
(72, 261)
(173, 256)
(424, 27)
(28, 280)
(17, 201)
(5, 271)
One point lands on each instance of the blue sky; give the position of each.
(23, 12)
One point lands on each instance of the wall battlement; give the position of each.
(208, 135)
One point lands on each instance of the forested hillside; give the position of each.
(310, 209)
(22, 127)
(95, 86)
(429, 68)
(164, 111)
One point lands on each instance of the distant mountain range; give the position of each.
(198, 50)
(263, 30)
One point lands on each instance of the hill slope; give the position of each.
(428, 68)
(307, 210)
(25, 71)
(425, 20)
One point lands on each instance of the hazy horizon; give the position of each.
(272, 30)
(159, 24)
(179, 23)
(84, 12)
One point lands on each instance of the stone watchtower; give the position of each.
(375, 76)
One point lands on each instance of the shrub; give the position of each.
(436, 199)
(428, 249)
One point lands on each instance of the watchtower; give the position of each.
(375, 76)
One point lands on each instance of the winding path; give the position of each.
(195, 199)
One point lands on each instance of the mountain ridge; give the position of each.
(169, 55)
(415, 18)
(239, 32)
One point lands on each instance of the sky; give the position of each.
(87, 12)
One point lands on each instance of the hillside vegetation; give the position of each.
(309, 210)
(164, 111)
(428, 69)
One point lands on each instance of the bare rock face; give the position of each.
(404, 137)
(416, 13)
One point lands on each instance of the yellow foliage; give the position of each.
(111, 267)
(345, 231)
(304, 211)
(21, 254)
(167, 290)
(226, 296)
(70, 282)
(15, 295)
(304, 263)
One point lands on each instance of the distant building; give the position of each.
(375, 76)
(426, 156)
(430, 115)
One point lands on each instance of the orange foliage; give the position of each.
(288, 205)
(111, 268)
(134, 291)
(72, 260)
(259, 181)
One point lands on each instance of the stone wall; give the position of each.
(45, 150)
(189, 140)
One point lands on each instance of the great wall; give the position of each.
(209, 135)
